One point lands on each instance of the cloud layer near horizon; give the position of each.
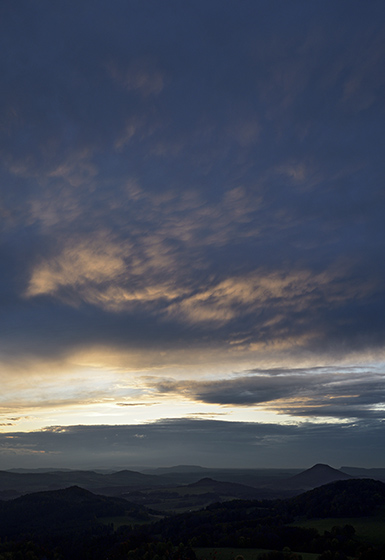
(191, 198)
(206, 442)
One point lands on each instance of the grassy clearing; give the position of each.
(119, 521)
(116, 522)
(368, 529)
(245, 553)
(177, 506)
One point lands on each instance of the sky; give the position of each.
(192, 233)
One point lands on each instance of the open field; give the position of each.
(370, 529)
(245, 553)
(176, 507)
(121, 520)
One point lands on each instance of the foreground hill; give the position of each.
(54, 512)
(343, 498)
(272, 523)
(275, 524)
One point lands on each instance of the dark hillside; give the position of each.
(344, 498)
(60, 510)
(263, 522)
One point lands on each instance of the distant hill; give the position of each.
(318, 475)
(16, 483)
(177, 469)
(231, 489)
(261, 478)
(156, 484)
(193, 496)
(357, 472)
(124, 482)
(40, 470)
(133, 478)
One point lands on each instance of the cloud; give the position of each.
(324, 391)
(137, 403)
(295, 290)
(205, 442)
(106, 272)
(79, 264)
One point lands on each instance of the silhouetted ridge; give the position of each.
(131, 477)
(206, 481)
(220, 488)
(23, 483)
(73, 494)
(179, 469)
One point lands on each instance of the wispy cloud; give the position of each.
(141, 74)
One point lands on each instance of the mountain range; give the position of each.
(177, 485)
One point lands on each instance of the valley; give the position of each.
(127, 515)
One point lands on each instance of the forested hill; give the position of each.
(343, 498)
(59, 511)
(267, 523)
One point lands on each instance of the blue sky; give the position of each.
(192, 232)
